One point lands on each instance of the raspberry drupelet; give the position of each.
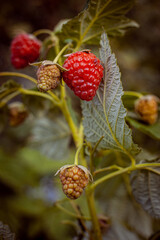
(84, 74)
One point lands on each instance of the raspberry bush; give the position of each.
(106, 187)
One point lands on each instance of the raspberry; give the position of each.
(25, 49)
(74, 179)
(84, 75)
(17, 113)
(147, 108)
(49, 76)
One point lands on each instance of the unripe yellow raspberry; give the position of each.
(74, 179)
(49, 76)
(147, 108)
(17, 113)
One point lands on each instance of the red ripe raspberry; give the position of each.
(74, 179)
(84, 75)
(25, 49)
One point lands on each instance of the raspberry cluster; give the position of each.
(147, 108)
(49, 77)
(25, 49)
(84, 74)
(74, 179)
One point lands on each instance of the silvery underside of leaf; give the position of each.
(105, 114)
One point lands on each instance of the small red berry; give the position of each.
(84, 74)
(74, 179)
(25, 49)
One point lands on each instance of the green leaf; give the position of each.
(145, 187)
(130, 215)
(100, 15)
(105, 114)
(51, 137)
(151, 130)
(10, 84)
(25, 168)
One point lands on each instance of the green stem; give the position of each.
(74, 130)
(92, 151)
(133, 161)
(107, 169)
(77, 154)
(92, 209)
(40, 94)
(63, 105)
(124, 170)
(42, 31)
(7, 92)
(63, 92)
(15, 74)
(134, 94)
(70, 213)
(8, 98)
(57, 58)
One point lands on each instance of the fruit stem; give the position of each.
(63, 106)
(92, 209)
(15, 74)
(42, 31)
(70, 213)
(40, 94)
(134, 94)
(60, 54)
(8, 98)
(73, 127)
(113, 167)
(77, 154)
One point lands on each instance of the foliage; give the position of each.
(105, 114)
(58, 132)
